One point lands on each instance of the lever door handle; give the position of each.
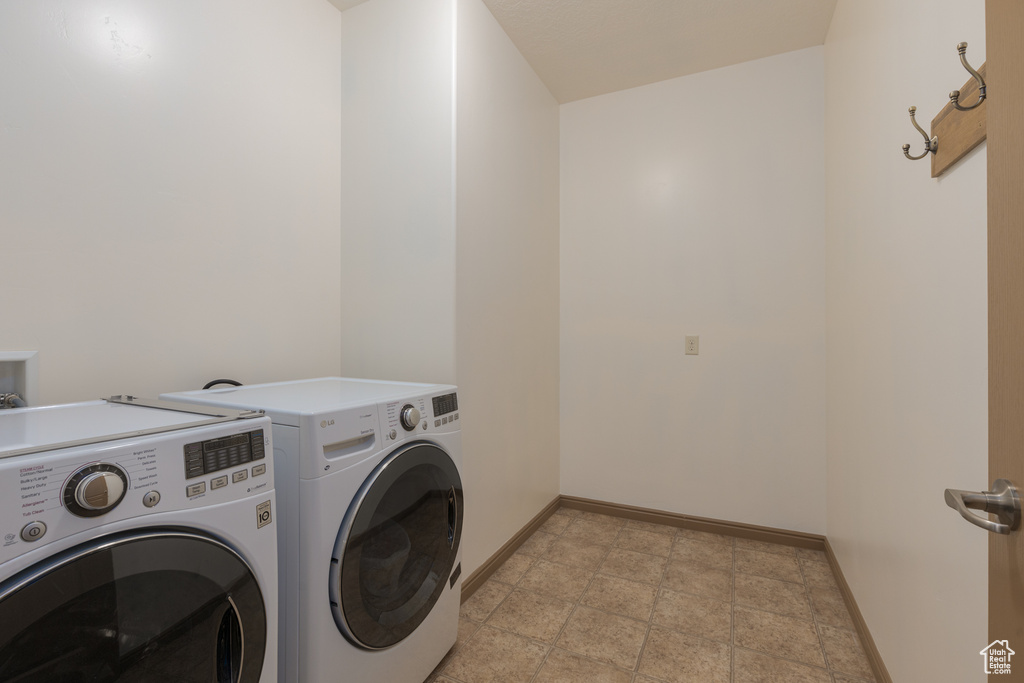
(1002, 501)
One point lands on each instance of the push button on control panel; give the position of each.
(195, 489)
(258, 470)
(218, 483)
(151, 499)
(33, 531)
(240, 475)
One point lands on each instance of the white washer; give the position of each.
(369, 479)
(123, 558)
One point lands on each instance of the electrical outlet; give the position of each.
(692, 345)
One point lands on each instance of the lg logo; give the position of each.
(326, 423)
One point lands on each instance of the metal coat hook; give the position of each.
(930, 144)
(954, 97)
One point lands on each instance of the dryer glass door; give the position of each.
(397, 546)
(153, 606)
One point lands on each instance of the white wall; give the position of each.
(463, 291)
(398, 190)
(169, 192)
(696, 206)
(507, 284)
(907, 336)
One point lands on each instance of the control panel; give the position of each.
(419, 416)
(213, 455)
(448, 403)
(445, 409)
(227, 453)
(51, 495)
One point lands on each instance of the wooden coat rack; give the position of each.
(958, 128)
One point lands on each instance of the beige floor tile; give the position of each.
(695, 578)
(537, 544)
(493, 656)
(772, 565)
(765, 547)
(812, 555)
(651, 526)
(772, 595)
(435, 675)
(717, 555)
(529, 614)
(604, 519)
(556, 580)
(589, 531)
(512, 569)
(605, 637)
(754, 667)
(625, 601)
(566, 667)
(466, 630)
(555, 524)
(484, 600)
(843, 678)
(778, 635)
(576, 553)
(633, 565)
(621, 596)
(643, 541)
(818, 575)
(694, 614)
(844, 652)
(705, 536)
(830, 608)
(681, 658)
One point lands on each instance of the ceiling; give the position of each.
(583, 48)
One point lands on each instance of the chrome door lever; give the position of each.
(1002, 501)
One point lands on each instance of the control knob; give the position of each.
(95, 490)
(410, 417)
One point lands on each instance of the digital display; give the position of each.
(205, 457)
(443, 405)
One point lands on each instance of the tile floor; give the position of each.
(593, 599)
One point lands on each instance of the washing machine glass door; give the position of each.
(151, 606)
(397, 546)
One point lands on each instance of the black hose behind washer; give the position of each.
(215, 382)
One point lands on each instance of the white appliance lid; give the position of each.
(310, 396)
(46, 426)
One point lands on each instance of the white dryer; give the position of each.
(138, 545)
(369, 479)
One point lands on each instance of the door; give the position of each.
(396, 549)
(145, 606)
(1004, 27)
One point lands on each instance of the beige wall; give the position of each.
(507, 291)
(695, 206)
(398, 190)
(169, 192)
(450, 240)
(907, 354)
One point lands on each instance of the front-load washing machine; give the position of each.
(370, 490)
(138, 545)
